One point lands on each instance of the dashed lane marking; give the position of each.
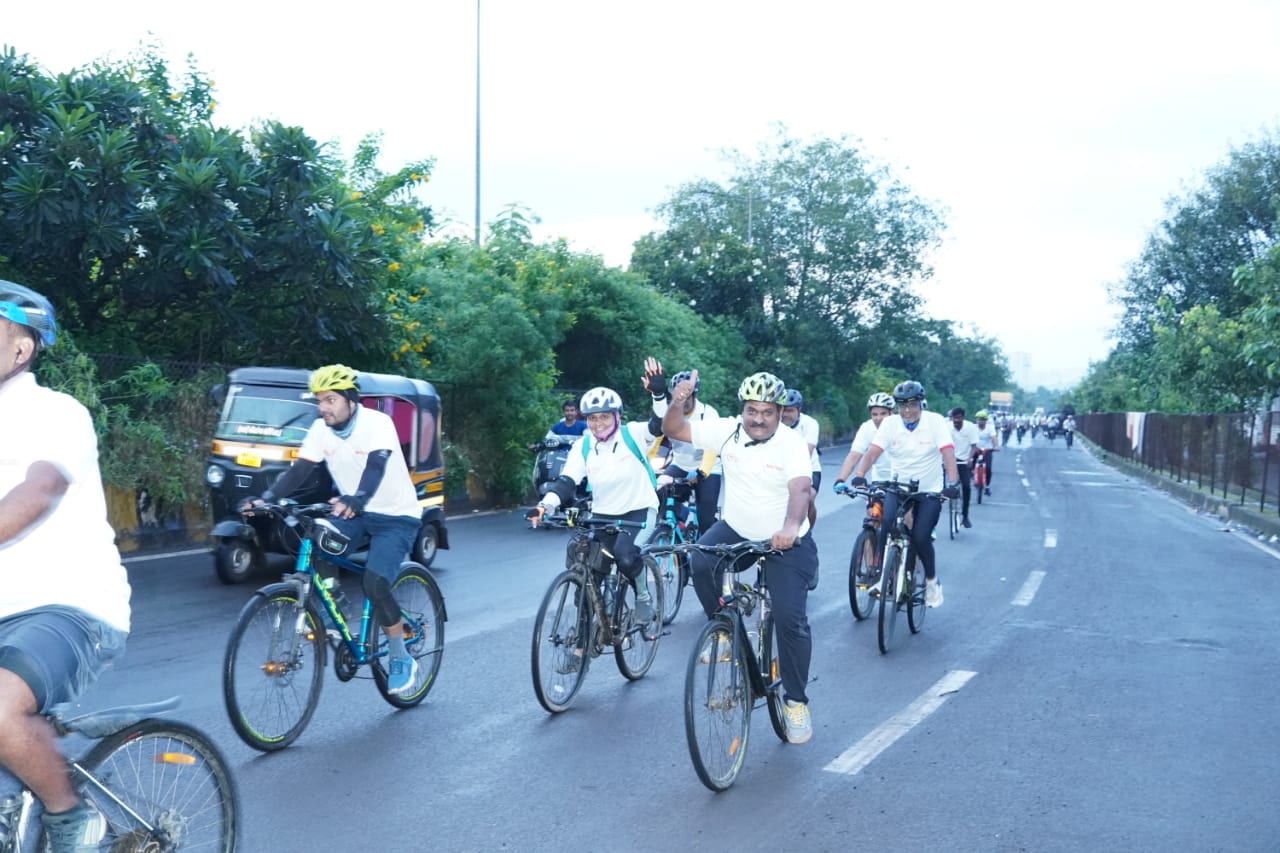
(1029, 588)
(1051, 539)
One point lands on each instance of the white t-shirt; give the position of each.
(346, 458)
(69, 556)
(619, 481)
(963, 439)
(881, 471)
(756, 478)
(808, 428)
(916, 454)
(987, 437)
(683, 454)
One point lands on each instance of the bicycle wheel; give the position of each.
(888, 597)
(422, 610)
(915, 600)
(863, 572)
(671, 571)
(717, 706)
(161, 785)
(979, 481)
(635, 651)
(561, 650)
(953, 513)
(273, 668)
(772, 676)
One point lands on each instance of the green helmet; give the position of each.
(762, 388)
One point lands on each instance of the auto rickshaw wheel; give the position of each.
(424, 549)
(236, 560)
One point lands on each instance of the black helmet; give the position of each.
(794, 398)
(909, 390)
(24, 306)
(685, 376)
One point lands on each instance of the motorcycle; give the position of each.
(548, 463)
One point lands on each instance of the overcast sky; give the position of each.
(1052, 135)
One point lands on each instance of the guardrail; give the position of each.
(1234, 455)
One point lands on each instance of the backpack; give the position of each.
(631, 445)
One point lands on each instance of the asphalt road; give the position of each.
(1100, 677)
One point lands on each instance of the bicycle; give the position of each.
(678, 526)
(980, 473)
(864, 561)
(902, 580)
(733, 668)
(275, 658)
(569, 630)
(953, 519)
(161, 785)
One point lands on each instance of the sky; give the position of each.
(1051, 136)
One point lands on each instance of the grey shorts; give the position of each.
(57, 651)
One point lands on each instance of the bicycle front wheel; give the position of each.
(638, 644)
(161, 785)
(863, 572)
(888, 597)
(953, 513)
(671, 571)
(771, 675)
(423, 616)
(273, 668)
(979, 481)
(717, 706)
(915, 598)
(561, 649)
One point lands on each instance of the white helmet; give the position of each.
(881, 400)
(600, 400)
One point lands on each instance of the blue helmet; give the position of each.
(24, 306)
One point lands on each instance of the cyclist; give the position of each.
(1069, 429)
(65, 611)
(808, 427)
(686, 461)
(767, 488)
(988, 443)
(964, 435)
(879, 406)
(622, 484)
(360, 448)
(916, 441)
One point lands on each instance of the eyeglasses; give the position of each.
(908, 404)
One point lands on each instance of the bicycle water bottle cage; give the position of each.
(329, 539)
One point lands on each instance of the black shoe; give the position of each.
(988, 492)
(964, 522)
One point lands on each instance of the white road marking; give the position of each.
(862, 753)
(1028, 591)
(1026, 483)
(166, 555)
(1051, 539)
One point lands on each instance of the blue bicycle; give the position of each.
(677, 526)
(275, 657)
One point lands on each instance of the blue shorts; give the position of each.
(57, 651)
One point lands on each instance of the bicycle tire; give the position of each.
(771, 675)
(861, 602)
(916, 608)
(979, 481)
(638, 644)
(888, 598)
(672, 571)
(169, 774)
(271, 691)
(422, 607)
(717, 706)
(953, 514)
(563, 643)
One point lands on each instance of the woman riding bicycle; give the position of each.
(916, 441)
(622, 484)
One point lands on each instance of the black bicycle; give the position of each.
(733, 668)
(275, 658)
(161, 785)
(902, 580)
(589, 607)
(864, 562)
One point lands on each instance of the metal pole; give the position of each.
(477, 122)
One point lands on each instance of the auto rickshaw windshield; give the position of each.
(266, 414)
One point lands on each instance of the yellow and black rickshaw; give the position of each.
(265, 413)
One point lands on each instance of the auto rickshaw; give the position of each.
(265, 413)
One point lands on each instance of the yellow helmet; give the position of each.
(332, 377)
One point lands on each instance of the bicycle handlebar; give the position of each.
(592, 521)
(761, 548)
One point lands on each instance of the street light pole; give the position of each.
(477, 122)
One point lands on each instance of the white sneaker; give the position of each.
(933, 593)
(798, 722)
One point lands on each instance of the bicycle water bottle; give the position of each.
(610, 586)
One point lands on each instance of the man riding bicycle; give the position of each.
(64, 611)
(964, 436)
(987, 444)
(361, 449)
(686, 461)
(768, 483)
(916, 442)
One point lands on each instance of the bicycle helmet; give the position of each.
(24, 306)
(980, 415)
(600, 400)
(762, 388)
(794, 398)
(881, 400)
(909, 390)
(685, 376)
(332, 377)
